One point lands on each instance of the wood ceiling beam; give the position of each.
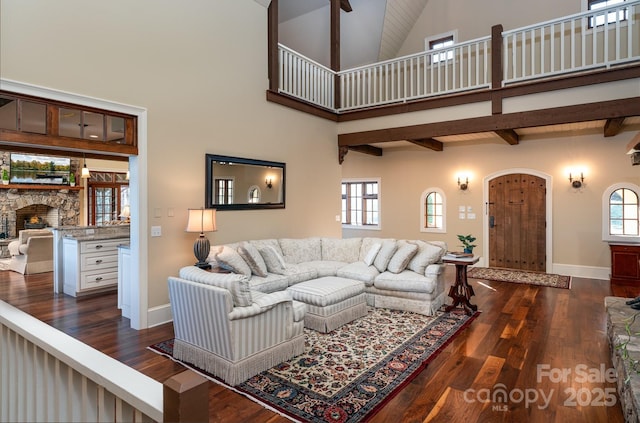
(613, 126)
(366, 149)
(509, 135)
(344, 5)
(430, 143)
(553, 116)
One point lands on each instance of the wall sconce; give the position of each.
(269, 182)
(576, 182)
(463, 185)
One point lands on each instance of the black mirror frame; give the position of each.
(208, 183)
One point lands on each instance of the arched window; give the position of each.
(621, 217)
(254, 195)
(433, 211)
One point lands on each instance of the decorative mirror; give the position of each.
(234, 183)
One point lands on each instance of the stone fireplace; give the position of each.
(53, 207)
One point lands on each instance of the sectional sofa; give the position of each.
(240, 319)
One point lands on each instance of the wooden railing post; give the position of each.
(186, 398)
(335, 51)
(272, 47)
(496, 68)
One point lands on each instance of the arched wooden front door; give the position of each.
(517, 222)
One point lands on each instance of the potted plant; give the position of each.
(467, 243)
(5, 177)
(72, 179)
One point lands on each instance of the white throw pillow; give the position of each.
(372, 253)
(427, 254)
(383, 257)
(274, 261)
(230, 259)
(254, 259)
(402, 256)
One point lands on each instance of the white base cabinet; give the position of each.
(90, 265)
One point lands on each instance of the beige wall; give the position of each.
(201, 72)
(474, 19)
(577, 214)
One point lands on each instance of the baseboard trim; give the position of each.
(159, 315)
(590, 272)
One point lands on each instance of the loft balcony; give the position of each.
(594, 43)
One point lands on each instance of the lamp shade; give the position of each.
(85, 172)
(201, 220)
(126, 211)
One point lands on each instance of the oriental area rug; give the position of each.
(347, 375)
(520, 276)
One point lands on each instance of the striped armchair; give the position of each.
(223, 327)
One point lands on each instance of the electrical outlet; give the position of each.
(156, 231)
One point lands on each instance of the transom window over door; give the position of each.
(108, 193)
(360, 203)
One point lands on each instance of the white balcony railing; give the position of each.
(46, 375)
(305, 79)
(576, 43)
(580, 42)
(461, 67)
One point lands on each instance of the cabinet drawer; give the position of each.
(99, 280)
(101, 246)
(98, 261)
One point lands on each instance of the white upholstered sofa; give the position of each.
(238, 324)
(32, 252)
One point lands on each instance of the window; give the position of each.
(611, 17)
(108, 194)
(438, 42)
(361, 203)
(254, 195)
(621, 217)
(224, 190)
(432, 211)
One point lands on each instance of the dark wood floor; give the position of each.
(520, 329)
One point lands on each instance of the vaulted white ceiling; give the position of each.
(375, 29)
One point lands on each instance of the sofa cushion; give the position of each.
(270, 283)
(297, 273)
(383, 257)
(372, 253)
(324, 268)
(406, 280)
(274, 261)
(253, 258)
(367, 243)
(300, 250)
(230, 259)
(402, 256)
(258, 243)
(427, 254)
(359, 271)
(346, 250)
(236, 284)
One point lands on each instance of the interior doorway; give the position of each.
(517, 225)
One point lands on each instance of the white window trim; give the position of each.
(251, 188)
(585, 24)
(605, 213)
(423, 211)
(377, 227)
(453, 33)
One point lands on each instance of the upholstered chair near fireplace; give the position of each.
(32, 252)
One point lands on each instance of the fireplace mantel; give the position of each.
(40, 187)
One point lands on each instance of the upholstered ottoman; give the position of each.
(331, 302)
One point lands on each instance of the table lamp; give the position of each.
(126, 213)
(202, 220)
